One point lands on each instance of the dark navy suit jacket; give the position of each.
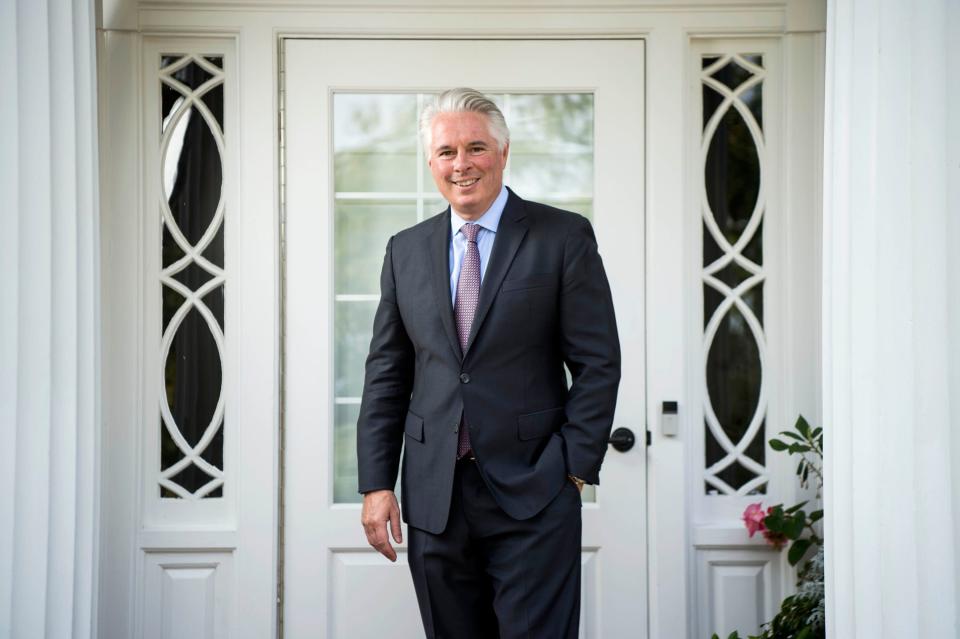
(544, 302)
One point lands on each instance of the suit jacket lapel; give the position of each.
(438, 248)
(510, 234)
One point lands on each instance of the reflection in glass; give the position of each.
(551, 144)
(375, 142)
(172, 301)
(589, 494)
(732, 175)
(432, 206)
(753, 251)
(732, 75)
(193, 276)
(733, 384)
(712, 298)
(213, 99)
(170, 101)
(362, 228)
(711, 102)
(214, 250)
(193, 175)
(733, 374)
(214, 301)
(752, 98)
(353, 328)
(753, 298)
(171, 250)
(192, 75)
(732, 274)
(345, 454)
(193, 376)
(169, 59)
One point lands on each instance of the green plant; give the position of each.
(801, 615)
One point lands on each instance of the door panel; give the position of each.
(355, 174)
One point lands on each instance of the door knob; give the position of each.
(622, 439)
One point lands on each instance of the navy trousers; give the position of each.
(489, 576)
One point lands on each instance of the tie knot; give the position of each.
(470, 231)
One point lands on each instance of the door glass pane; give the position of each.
(374, 142)
(551, 145)
(362, 228)
(383, 184)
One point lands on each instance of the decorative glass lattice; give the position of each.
(733, 203)
(192, 276)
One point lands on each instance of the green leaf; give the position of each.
(776, 444)
(775, 523)
(787, 433)
(802, 426)
(799, 448)
(794, 509)
(816, 432)
(797, 550)
(816, 515)
(794, 526)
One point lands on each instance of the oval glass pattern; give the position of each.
(193, 376)
(733, 374)
(732, 175)
(193, 175)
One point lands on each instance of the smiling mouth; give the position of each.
(466, 183)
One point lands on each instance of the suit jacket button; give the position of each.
(456, 428)
(464, 378)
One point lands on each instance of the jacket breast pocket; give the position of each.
(541, 423)
(534, 281)
(413, 426)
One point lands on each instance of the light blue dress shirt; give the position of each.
(488, 222)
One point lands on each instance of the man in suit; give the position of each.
(481, 306)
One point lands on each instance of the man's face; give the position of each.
(465, 162)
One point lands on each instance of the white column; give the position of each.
(889, 492)
(49, 311)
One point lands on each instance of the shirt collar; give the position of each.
(490, 220)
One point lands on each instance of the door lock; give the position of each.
(622, 439)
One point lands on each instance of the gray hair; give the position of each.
(463, 100)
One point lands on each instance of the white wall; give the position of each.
(889, 307)
(953, 282)
(49, 320)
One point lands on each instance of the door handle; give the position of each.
(622, 439)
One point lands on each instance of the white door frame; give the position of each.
(253, 31)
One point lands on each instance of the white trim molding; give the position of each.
(49, 321)
(891, 534)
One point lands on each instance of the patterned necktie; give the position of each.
(468, 293)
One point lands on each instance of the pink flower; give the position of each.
(753, 518)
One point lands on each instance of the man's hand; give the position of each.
(576, 482)
(380, 509)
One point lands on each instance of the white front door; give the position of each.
(354, 175)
